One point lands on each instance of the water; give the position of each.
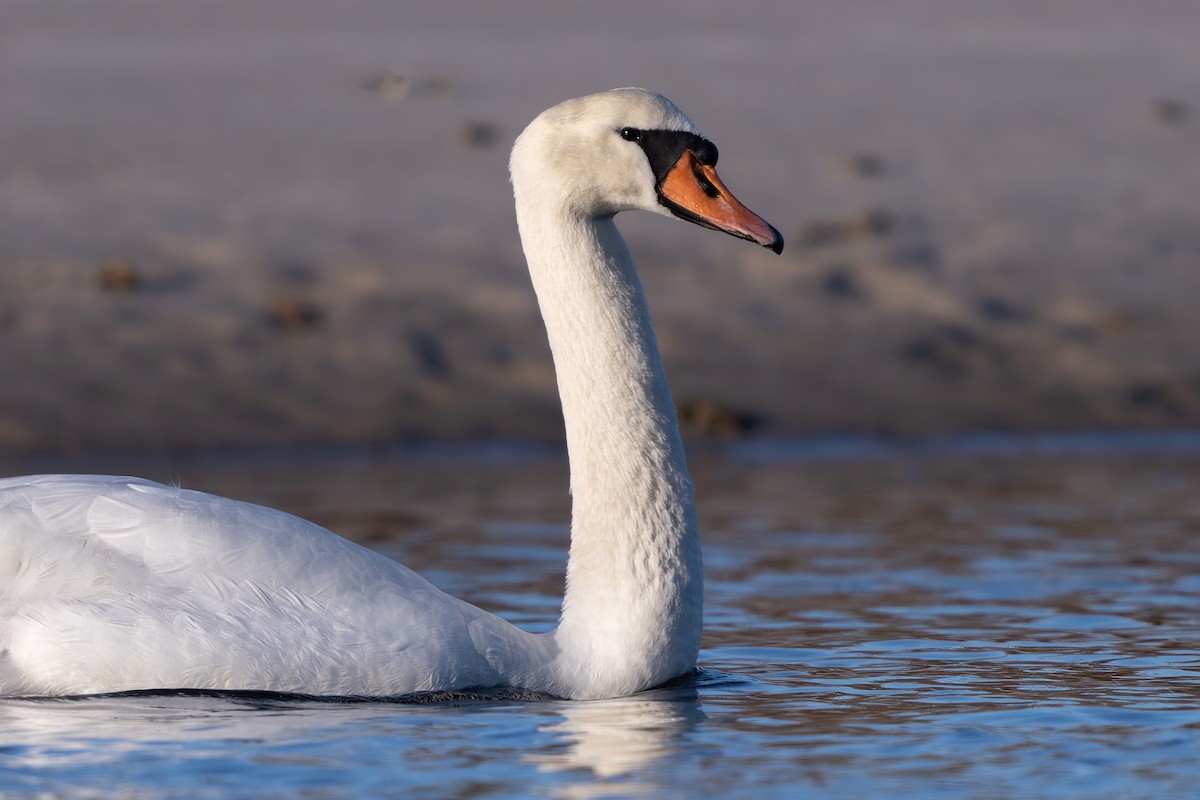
(954, 621)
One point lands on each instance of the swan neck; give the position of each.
(632, 611)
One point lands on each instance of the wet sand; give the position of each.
(289, 223)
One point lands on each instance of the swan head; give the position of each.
(629, 149)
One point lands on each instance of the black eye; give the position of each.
(631, 134)
(706, 153)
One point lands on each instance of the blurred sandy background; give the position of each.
(230, 223)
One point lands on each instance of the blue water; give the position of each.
(945, 622)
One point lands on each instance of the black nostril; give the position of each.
(705, 183)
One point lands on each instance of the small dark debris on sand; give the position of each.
(396, 86)
(951, 350)
(841, 284)
(119, 275)
(391, 86)
(294, 314)
(430, 354)
(477, 135)
(1170, 112)
(867, 226)
(703, 416)
(436, 86)
(997, 309)
(864, 166)
(1155, 396)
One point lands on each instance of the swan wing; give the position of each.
(111, 584)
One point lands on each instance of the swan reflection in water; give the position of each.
(620, 737)
(177, 736)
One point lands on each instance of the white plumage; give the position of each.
(112, 584)
(119, 583)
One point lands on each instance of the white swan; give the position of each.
(111, 584)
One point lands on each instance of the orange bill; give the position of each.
(694, 192)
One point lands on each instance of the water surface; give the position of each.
(943, 622)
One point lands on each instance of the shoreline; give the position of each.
(502, 454)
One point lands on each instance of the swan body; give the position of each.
(112, 584)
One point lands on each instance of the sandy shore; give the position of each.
(235, 224)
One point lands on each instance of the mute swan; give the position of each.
(111, 584)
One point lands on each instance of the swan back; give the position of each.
(109, 584)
